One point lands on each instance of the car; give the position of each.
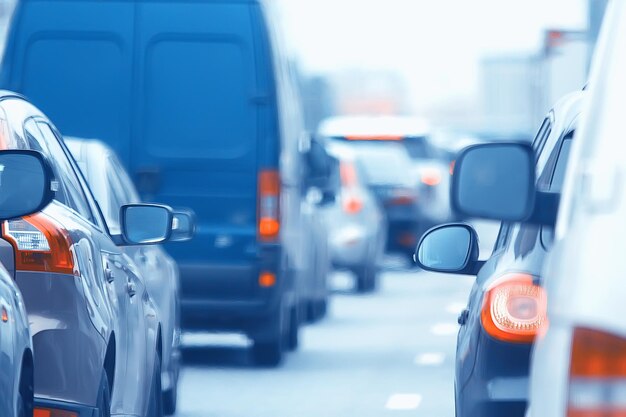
(504, 312)
(386, 173)
(578, 363)
(96, 333)
(356, 224)
(204, 113)
(112, 188)
(18, 167)
(429, 171)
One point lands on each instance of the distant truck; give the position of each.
(518, 90)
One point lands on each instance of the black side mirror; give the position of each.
(27, 183)
(497, 181)
(145, 224)
(451, 248)
(183, 226)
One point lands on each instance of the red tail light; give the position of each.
(348, 174)
(269, 210)
(514, 309)
(40, 245)
(352, 204)
(597, 384)
(375, 137)
(431, 177)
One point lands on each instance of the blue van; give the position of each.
(199, 103)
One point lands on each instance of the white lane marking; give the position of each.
(444, 329)
(198, 339)
(403, 402)
(455, 308)
(430, 359)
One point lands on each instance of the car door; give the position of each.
(120, 276)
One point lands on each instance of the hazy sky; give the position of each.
(436, 44)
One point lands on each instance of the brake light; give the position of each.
(597, 380)
(514, 309)
(401, 197)
(269, 210)
(431, 177)
(452, 164)
(40, 245)
(352, 204)
(348, 174)
(49, 412)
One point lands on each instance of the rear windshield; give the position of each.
(383, 164)
(418, 148)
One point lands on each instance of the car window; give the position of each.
(75, 193)
(558, 176)
(417, 148)
(541, 137)
(36, 141)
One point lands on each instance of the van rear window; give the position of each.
(198, 100)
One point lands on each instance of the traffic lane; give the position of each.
(374, 355)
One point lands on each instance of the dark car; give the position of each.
(204, 113)
(506, 307)
(96, 333)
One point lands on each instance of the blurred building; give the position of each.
(371, 92)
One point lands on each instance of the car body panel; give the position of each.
(112, 188)
(586, 268)
(492, 375)
(75, 318)
(15, 344)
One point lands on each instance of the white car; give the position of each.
(579, 366)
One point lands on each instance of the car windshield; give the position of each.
(417, 148)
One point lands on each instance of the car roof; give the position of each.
(404, 126)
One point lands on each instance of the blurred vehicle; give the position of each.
(356, 223)
(429, 171)
(203, 112)
(386, 171)
(579, 365)
(18, 168)
(112, 188)
(504, 314)
(96, 334)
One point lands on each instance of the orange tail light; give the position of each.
(269, 207)
(514, 309)
(348, 174)
(48, 412)
(40, 245)
(597, 380)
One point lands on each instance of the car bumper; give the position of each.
(79, 409)
(498, 384)
(349, 246)
(229, 298)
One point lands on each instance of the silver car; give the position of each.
(16, 347)
(355, 224)
(96, 333)
(112, 188)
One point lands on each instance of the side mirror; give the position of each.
(495, 181)
(27, 183)
(451, 248)
(183, 226)
(145, 224)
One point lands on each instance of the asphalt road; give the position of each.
(382, 354)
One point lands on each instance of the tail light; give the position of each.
(431, 177)
(452, 164)
(597, 380)
(269, 209)
(514, 309)
(348, 174)
(40, 245)
(352, 203)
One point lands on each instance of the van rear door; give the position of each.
(194, 140)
